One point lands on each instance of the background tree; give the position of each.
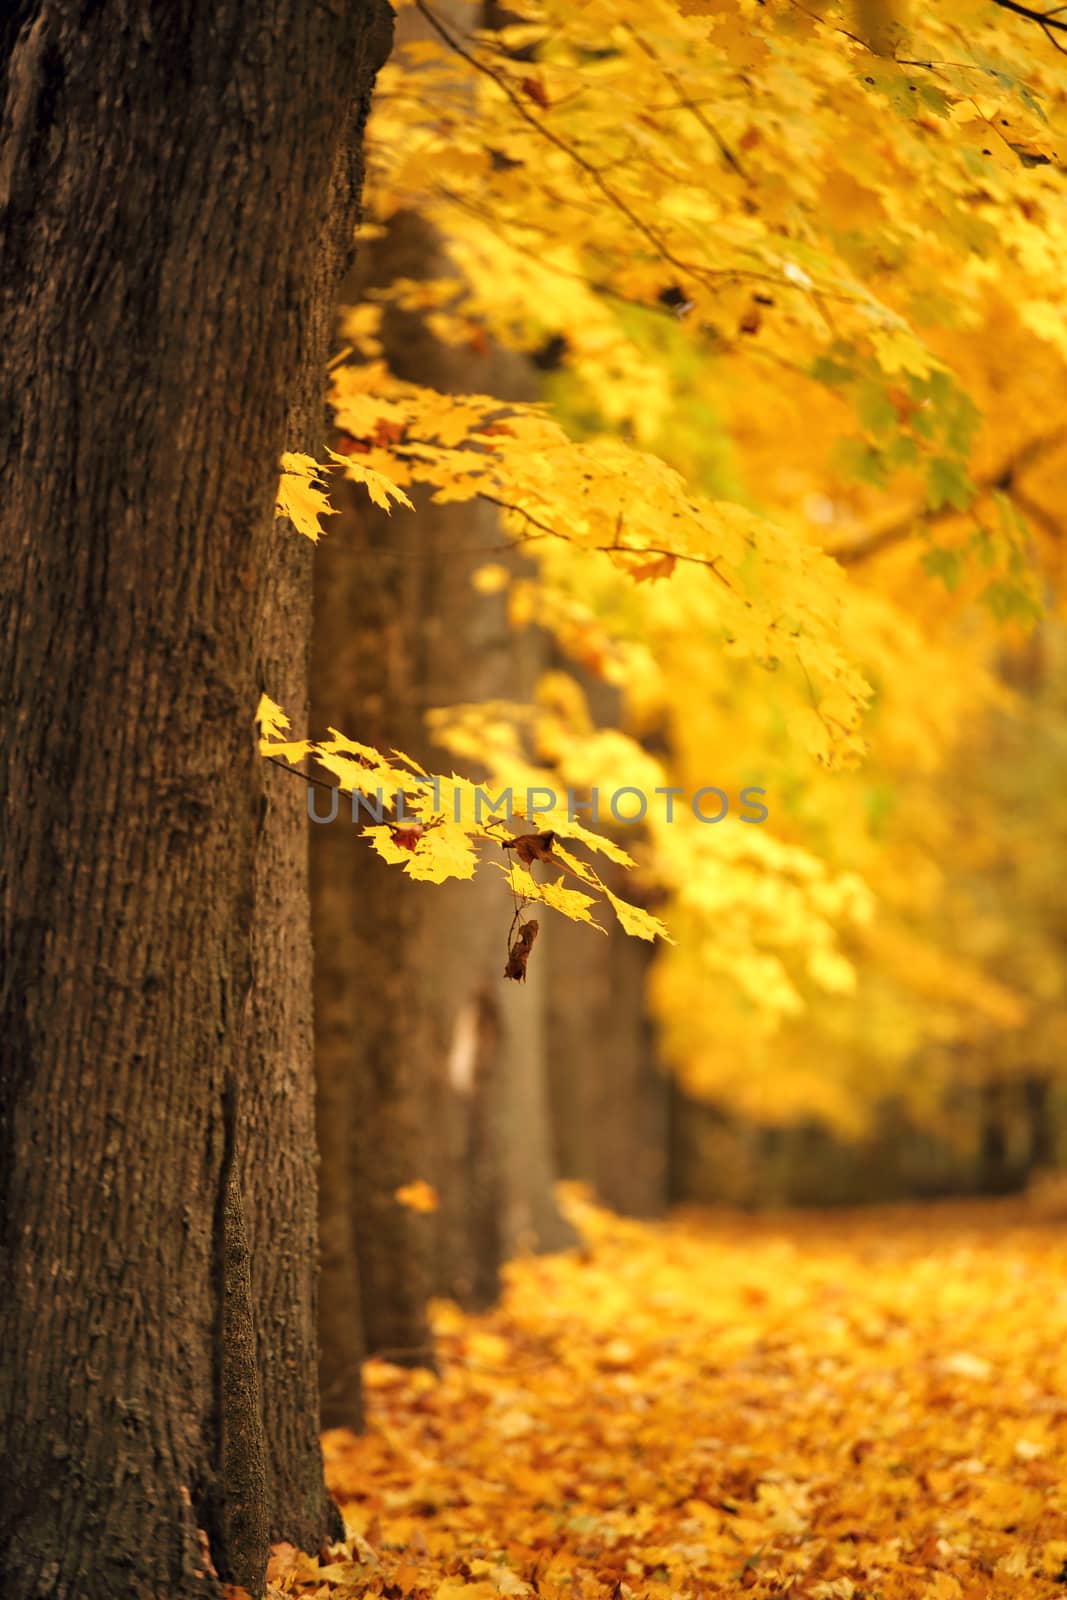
(428, 1067)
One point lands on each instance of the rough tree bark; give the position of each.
(178, 188)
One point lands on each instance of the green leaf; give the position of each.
(875, 409)
(855, 458)
(948, 484)
(1010, 602)
(943, 564)
(831, 371)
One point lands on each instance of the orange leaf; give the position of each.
(417, 1196)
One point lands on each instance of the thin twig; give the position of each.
(548, 133)
(704, 275)
(1044, 19)
(335, 788)
(545, 531)
(690, 105)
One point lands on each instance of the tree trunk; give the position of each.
(376, 1251)
(179, 187)
(484, 1051)
(609, 1096)
(998, 1172)
(1040, 1119)
(447, 1082)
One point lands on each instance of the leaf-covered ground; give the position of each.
(840, 1405)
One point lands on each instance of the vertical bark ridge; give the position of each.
(237, 1522)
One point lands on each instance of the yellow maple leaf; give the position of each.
(299, 499)
(642, 924)
(380, 488)
(570, 902)
(270, 719)
(444, 852)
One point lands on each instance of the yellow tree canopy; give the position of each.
(800, 272)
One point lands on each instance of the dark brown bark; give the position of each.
(238, 1502)
(276, 1150)
(178, 188)
(342, 1345)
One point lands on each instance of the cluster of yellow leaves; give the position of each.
(819, 207)
(868, 1408)
(766, 596)
(924, 981)
(853, 223)
(809, 204)
(437, 823)
(744, 906)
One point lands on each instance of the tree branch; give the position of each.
(897, 524)
(710, 564)
(1049, 22)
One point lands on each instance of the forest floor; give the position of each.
(849, 1404)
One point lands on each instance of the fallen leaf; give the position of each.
(417, 1196)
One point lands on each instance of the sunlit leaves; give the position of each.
(794, 276)
(433, 825)
(378, 485)
(604, 499)
(301, 495)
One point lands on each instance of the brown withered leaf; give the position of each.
(407, 837)
(519, 953)
(531, 847)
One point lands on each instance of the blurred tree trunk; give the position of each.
(165, 325)
(610, 1100)
(429, 1065)
(997, 1172)
(375, 1251)
(609, 1096)
(1037, 1096)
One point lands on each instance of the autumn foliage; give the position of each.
(794, 494)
